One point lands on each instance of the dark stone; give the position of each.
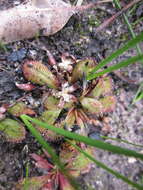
(18, 55)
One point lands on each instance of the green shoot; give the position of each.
(139, 94)
(95, 143)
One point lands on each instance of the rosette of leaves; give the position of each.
(52, 178)
(72, 101)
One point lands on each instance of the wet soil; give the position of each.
(79, 38)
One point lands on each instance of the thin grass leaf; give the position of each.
(115, 54)
(121, 64)
(139, 94)
(137, 21)
(117, 4)
(48, 148)
(103, 166)
(120, 140)
(96, 143)
(26, 184)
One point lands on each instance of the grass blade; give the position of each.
(121, 64)
(120, 140)
(115, 54)
(103, 166)
(139, 94)
(86, 140)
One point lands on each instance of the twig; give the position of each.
(90, 5)
(112, 18)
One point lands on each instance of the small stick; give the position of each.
(78, 9)
(112, 18)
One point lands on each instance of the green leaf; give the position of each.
(92, 105)
(51, 103)
(19, 109)
(13, 130)
(32, 183)
(83, 67)
(49, 117)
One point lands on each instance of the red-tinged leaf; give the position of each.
(64, 183)
(19, 109)
(76, 162)
(92, 105)
(25, 87)
(70, 119)
(32, 183)
(109, 103)
(38, 73)
(12, 130)
(103, 87)
(80, 123)
(48, 134)
(48, 186)
(41, 162)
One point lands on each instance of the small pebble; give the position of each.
(131, 160)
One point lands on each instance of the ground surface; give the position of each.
(78, 37)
